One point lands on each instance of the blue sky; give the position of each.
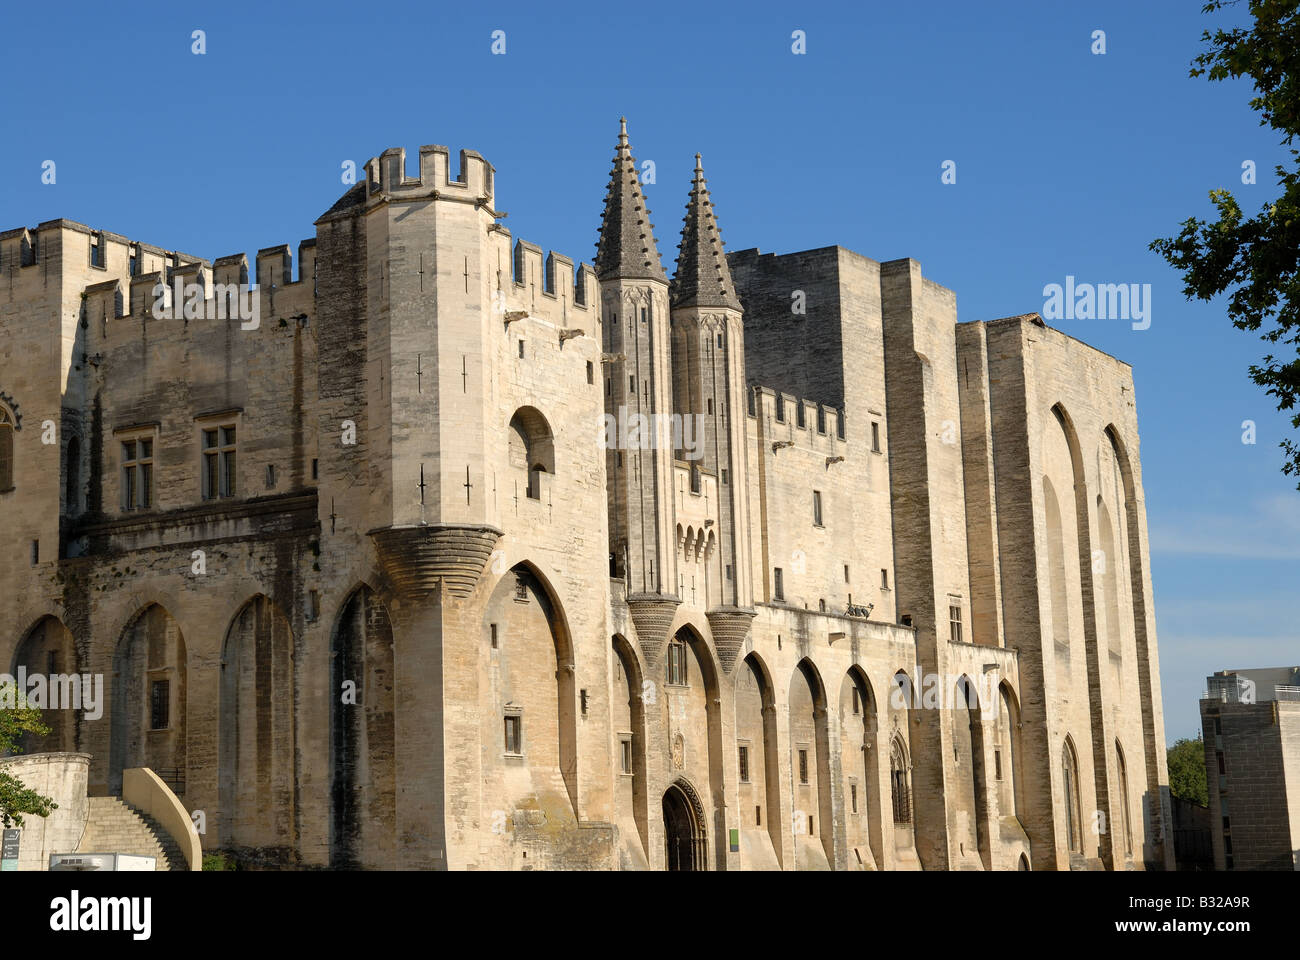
(1067, 163)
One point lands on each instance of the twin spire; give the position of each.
(627, 249)
(627, 241)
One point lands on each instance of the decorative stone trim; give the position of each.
(417, 558)
(730, 626)
(652, 613)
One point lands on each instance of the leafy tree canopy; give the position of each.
(1255, 260)
(15, 799)
(1187, 771)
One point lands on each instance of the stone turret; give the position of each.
(708, 360)
(634, 306)
(703, 278)
(626, 248)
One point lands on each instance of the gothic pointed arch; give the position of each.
(1072, 825)
(48, 653)
(758, 765)
(148, 720)
(362, 776)
(859, 759)
(686, 828)
(812, 804)
(631, 801)
(532, 729)
(257, 733)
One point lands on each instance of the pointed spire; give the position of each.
(703, 278)
(627, 242)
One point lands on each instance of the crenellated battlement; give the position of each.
(808, 424)
(552, 274)
(117, 309)
(386, 174)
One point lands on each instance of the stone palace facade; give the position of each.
(453, 555)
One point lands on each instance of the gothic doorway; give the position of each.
(684, 838)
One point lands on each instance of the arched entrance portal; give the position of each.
(684, 832)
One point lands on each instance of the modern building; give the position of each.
(1250, 722)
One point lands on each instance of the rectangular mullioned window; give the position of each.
(219, 464)
(137, 472)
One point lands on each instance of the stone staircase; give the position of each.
(113, 826)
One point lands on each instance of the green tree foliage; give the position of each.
(1255, 260)
(1187, 771)
(15, 799)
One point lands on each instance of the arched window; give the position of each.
(1073, 812)
(6, 451)
(899, 788)
(1123, 796)
(531, 448)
